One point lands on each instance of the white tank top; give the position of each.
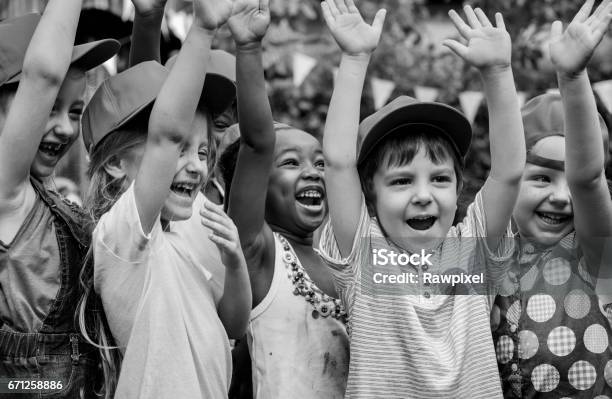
(298, 349)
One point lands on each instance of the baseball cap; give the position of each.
(543, 117)
(119, 99)
(408, 112)
(15, 36)
(219, 88)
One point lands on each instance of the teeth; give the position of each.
(553, 218)
(310, 194)
(50, 147)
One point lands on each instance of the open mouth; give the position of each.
(183, 189)
(421, 222)
(553, 218)
(310, 198)
(51, 149)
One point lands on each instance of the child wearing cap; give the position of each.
(169, 301)
(43, 239)
(408, 340)
(549, 323)
(296, 336)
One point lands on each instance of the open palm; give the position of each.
(211, 14)
(570, 51)
(487, 46)
(351, 32)
(249, 21)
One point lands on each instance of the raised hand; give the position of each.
(211, 14)
(224, 234)
(487, 46)
(571, 50)
(146, 6)
(249, 21)
(351, 32)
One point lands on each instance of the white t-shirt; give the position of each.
(160, 294)
(420, 344)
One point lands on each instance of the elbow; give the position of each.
(47, 75)
(237, 330)
(168, 128)
(584, 180)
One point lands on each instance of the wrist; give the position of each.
(198, 27)
(495, 71)
(563, 76)
(248, 47)
(361, 58)
(149, 14)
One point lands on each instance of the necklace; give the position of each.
(323, 304)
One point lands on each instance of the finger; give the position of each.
(556, 31)
(341, 6)
(456, 47)
(214, 214)
(327, 14)
(222, 243)
(471, 17)
(483, 18)
(462, 27)
(350, 4)
(583, 14)
(600, 13)
(218, 229)
(332, 8)
(379, 21)
(499, 21)
(601, 28)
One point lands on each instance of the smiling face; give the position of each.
(543, 211)
(62, 128)
(416, 202)
(295, 200)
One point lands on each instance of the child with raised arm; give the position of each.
(551, 333)
(296, 335)
(43, 239)
(168, 307)
(410, 342)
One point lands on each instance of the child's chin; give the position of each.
(173, 213)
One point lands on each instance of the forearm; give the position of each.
(342, 123)
(235, 305)
(584, 163)
(177, 101)
(254, 113)
(146, 35)
(506, 136)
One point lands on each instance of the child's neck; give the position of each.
(302, 239)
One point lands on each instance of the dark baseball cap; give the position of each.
(408, 112)
(119, 99)
(219, 88)
(15, 36)
(543, 117)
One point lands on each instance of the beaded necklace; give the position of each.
(323, 304)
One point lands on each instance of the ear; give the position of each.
(115, 167)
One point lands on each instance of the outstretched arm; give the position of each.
(357, 40)
(173, 113)
(489, 49)
(584, 163)
(146, 32)
(248, 24)
(44, 68)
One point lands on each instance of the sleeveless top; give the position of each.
(550, 329)
(297, 338)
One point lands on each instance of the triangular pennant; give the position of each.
(179, 23)
(522, 97)
(381, 90)
(604, 91)
(553, 91)
(128, 10)
(426, 94)
(302, 65)
(470, 101)
(111, 66)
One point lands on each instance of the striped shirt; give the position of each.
(421, 345)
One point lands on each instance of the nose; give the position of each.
(194, 165)
(310, 172)
(561, 195)
(64, 127)
(422, 195)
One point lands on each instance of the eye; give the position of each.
(442, 179)
(289, 162)
(400, 181)
(541, 178)
(221, 125)
(76, 113)
(320, 164)
(203, 154)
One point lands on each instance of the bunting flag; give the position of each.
(553, 91)
(127, 14)
(179, 23)
(604, 91)
(381, 90)
(470, 101)
(302, 65)
(111, 66)
(522, 97)
(426, 94)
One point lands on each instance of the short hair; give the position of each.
(399, 149)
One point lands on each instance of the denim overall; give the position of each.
(57, 352)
